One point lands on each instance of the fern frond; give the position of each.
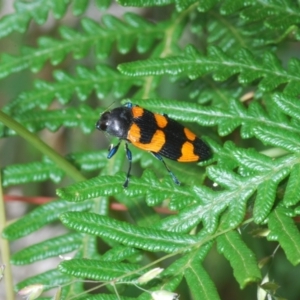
(49, 248)
(79, 6)
(42, 215)
(46, 169)
(288, 103)
(241, 258)
(199, 282)
(84, 268)
(194, 64)
(237, 86)
(209, 204)
(49, 279)
(145, 3)
(94, 35)
(31, 172)
(292, 191)
(203, 5)
(103, 4)
(36, 10)
(278, 138)
(154, 191)
(89, 161)
(121, 253)
(208, 212)
(83, 117)
(274, 14)
(144, 238)
(284, 230)
(267, 173)
(231, 34)
(103, 80)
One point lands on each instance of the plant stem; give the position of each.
(4, 250)
(63, 164)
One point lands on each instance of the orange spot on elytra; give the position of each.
(161, 120)
(157, 142)
(191, 136)
(134, 133)
(187, 153)
(137, 111)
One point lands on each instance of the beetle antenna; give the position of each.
(108, 107)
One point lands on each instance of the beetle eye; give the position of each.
(103, 126)
(103, 122)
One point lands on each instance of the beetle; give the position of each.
(153, 132)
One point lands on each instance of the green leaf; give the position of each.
(103, 80)
(239, 192)
(14, 22)
(99, 186)
(199, 282)
(99, 270)
(194, 64)
(273, 13)
(278, 16)
(103, 4)
(121, 253)
(292, 191)
(278, 138)
(49, 279)
(31, 172)
(284, 230)
(265, 198)
(79, 6)
(129, 235)
(205, 5)
(83, 117)
(148, 185)
(267, 174)
(241, 258)
(89, 160)
(229, 7)
(289, 104)
(49, 248)
(25, 11)
(79, 43)
(41, 216)
(140, 212)
(145, 3)
(211, 204)
(252, 160)
(208, 209)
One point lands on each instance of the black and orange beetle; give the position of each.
(152, 132)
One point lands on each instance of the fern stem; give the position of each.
(4, 247)
(63, 164)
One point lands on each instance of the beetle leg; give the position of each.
(112, 150)
(170, 172)
(129, 157)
